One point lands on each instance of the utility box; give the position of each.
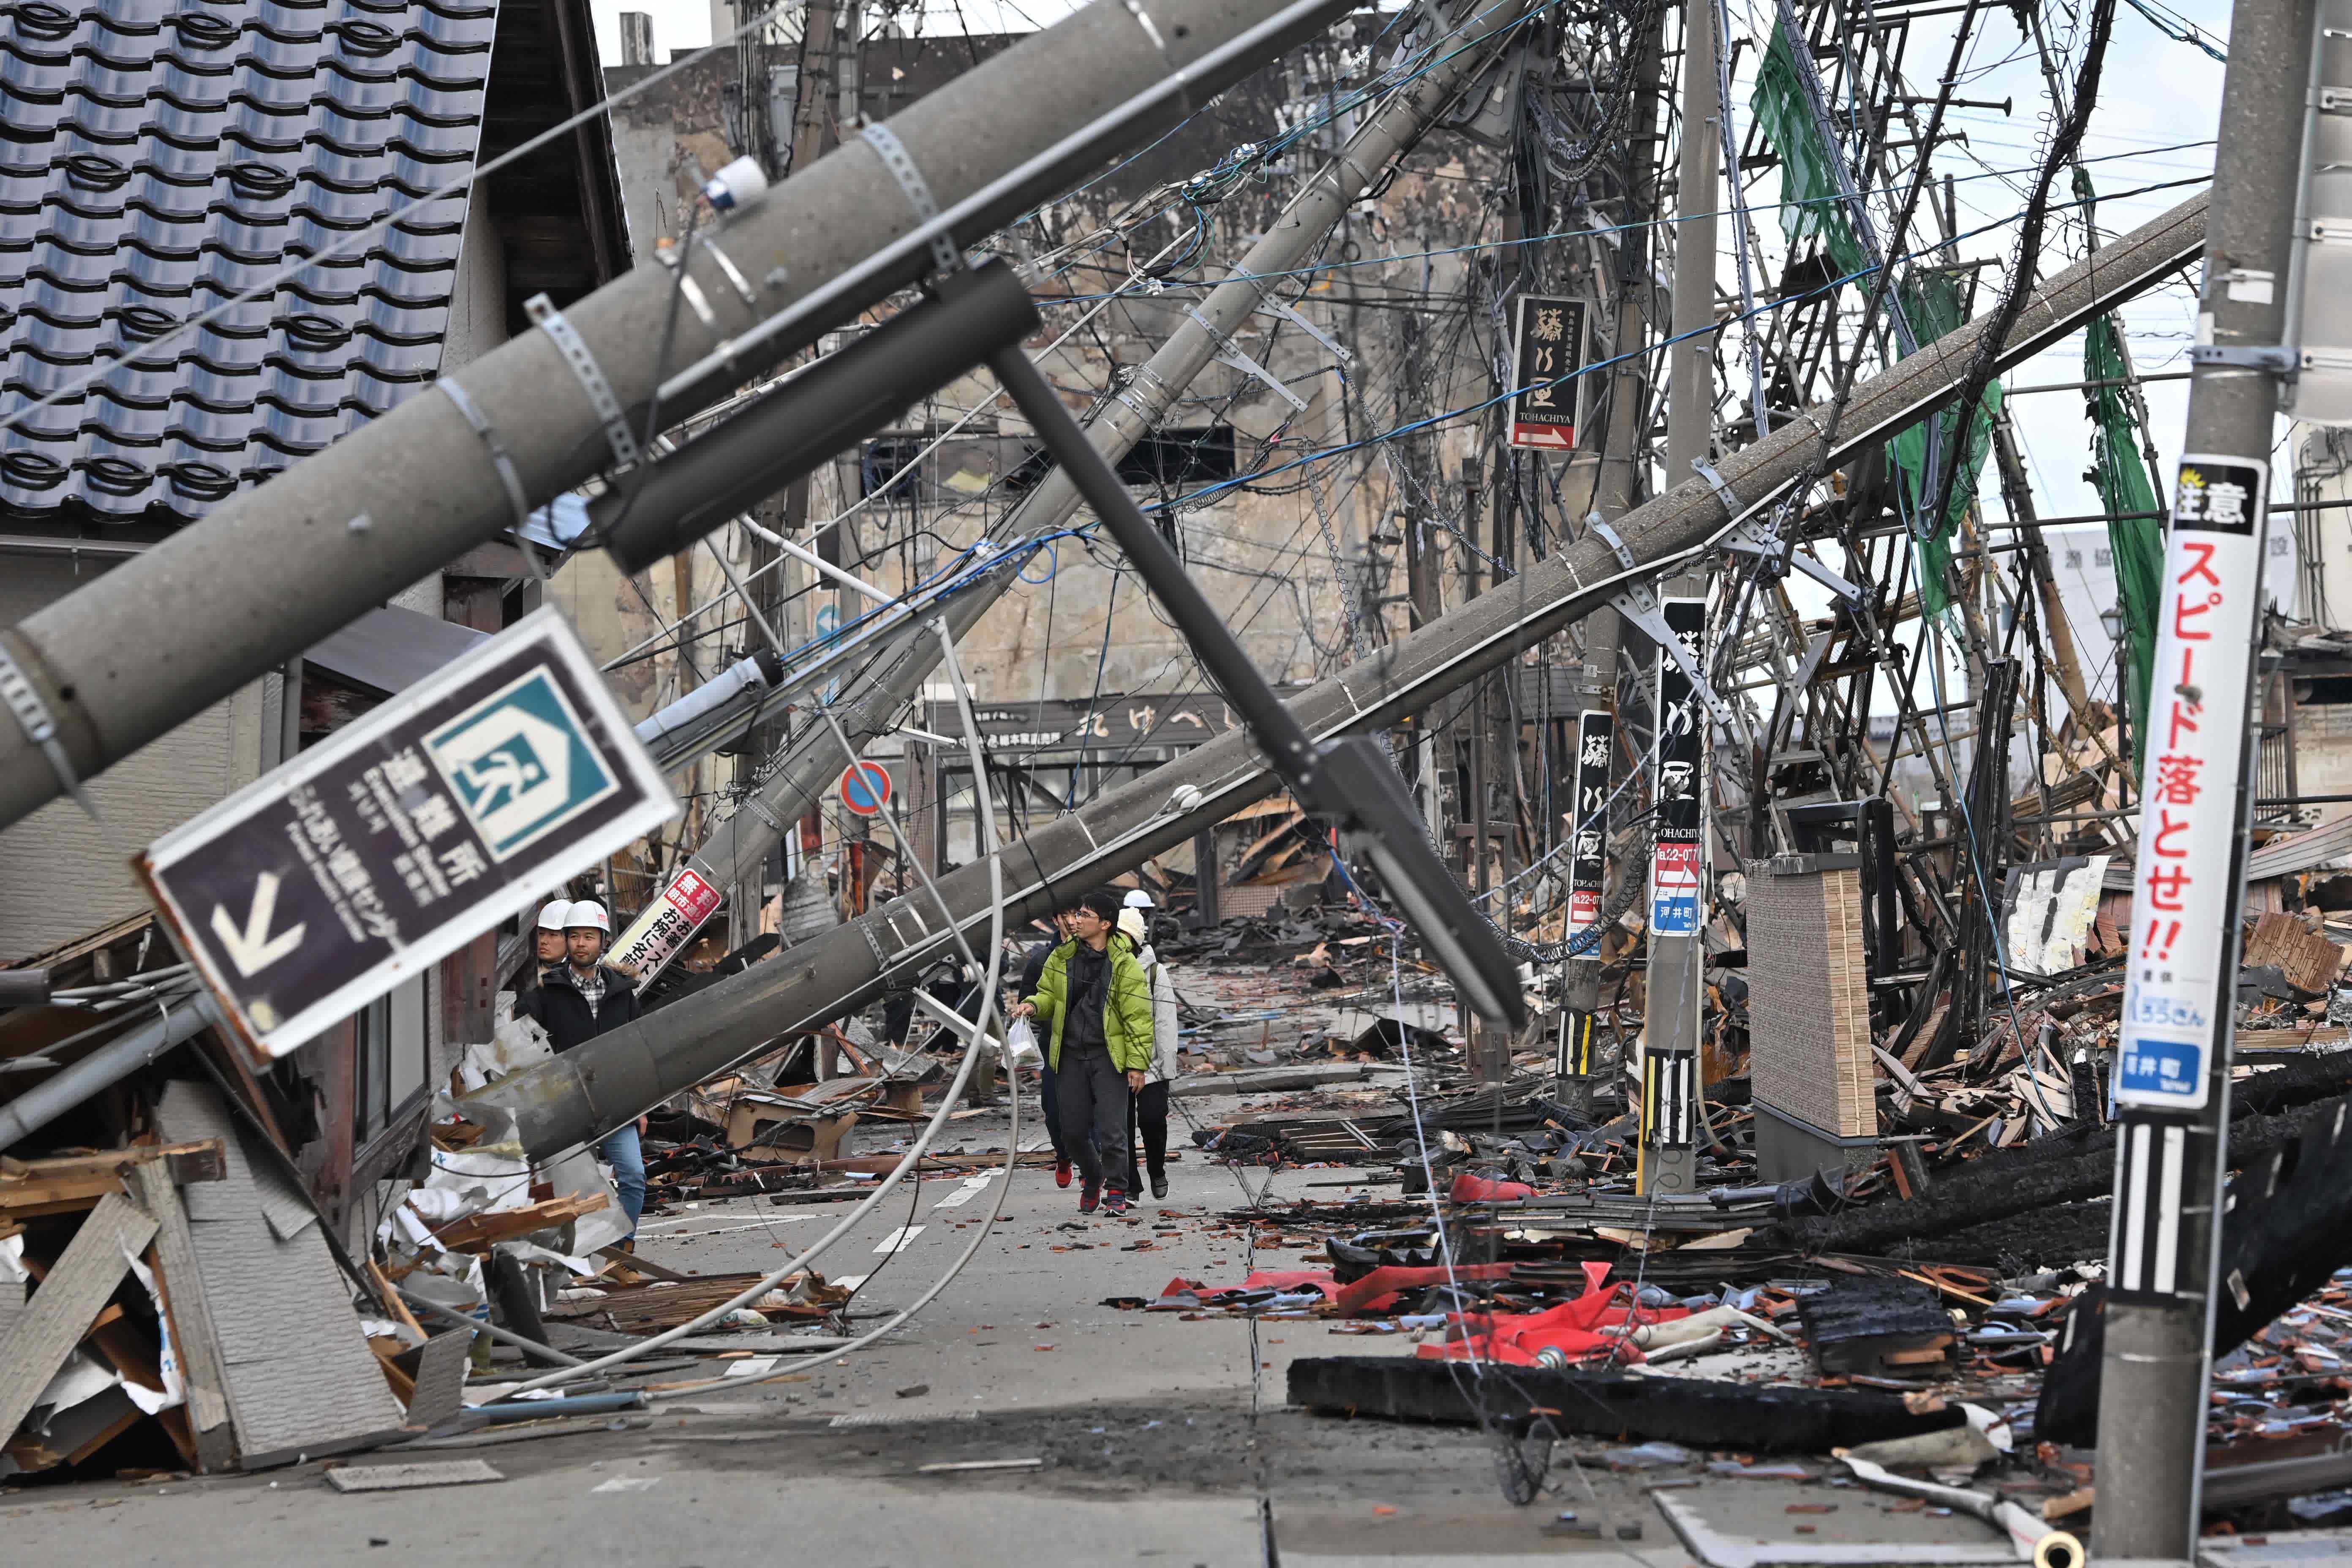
(1811, 1077)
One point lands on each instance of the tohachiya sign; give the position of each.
(1588, 862)
(314, 890)
(1547, 362)
(1680, 750)
(668, 923)
(2178, 988)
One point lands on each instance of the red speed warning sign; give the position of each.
(865, 788)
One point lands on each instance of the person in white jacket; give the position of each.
(1149, 1107)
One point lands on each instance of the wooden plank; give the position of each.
(29, 1188)
(392, 1300)
(475, 1232)
(62, 1309)
(183, 1290)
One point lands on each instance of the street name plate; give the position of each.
(314, 890)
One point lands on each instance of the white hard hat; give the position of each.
(551, 917)
(588, 912)
(1137, 898)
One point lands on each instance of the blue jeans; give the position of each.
(622, 1150)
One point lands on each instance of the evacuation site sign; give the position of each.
(315, 889)
(1547, 362)
(2176, 1003)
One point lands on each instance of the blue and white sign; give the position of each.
(2152, 1066)
(466, 797)
(519, 763)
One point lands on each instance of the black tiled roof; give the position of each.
(158, 157)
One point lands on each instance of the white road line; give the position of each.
(731, 1229)
(972, 1188)
(896, 1240)
(850, 1281)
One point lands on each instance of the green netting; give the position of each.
(2136, 543)
(1812, 209)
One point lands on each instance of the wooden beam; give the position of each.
(62, 1309)
(32, 1187)
(190, 1316)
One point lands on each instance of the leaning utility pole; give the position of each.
(1617, 461)
(588, 1091)
(2172, 1073)
(1671, 1093)
(870, 701)
(101, 673)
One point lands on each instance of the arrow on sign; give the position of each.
(253, 949)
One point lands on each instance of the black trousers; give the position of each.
(1093, 1093)
(1151, 1114)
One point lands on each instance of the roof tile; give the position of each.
(161, 157)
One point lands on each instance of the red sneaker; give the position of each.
(1088, 1198)
(1061, 1172)
(1116, 1203)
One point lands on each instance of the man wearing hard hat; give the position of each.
(574, 1003)
(552, 948)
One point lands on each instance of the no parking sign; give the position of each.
(865, 788)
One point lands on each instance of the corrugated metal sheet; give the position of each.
(158, 157)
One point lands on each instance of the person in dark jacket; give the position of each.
(1096, 1001)
(578, 1001)
(1033, 969)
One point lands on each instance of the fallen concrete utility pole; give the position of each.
(94, 677)
(870, 702)
(593, 1089)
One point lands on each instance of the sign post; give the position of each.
(1670, 1076)
(1547, 362)
(315, 889)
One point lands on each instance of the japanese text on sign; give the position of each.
(1549, 363)
(668, 923)
(2189, 827)
(1587, 868)
(317, 888)
(1680, 750)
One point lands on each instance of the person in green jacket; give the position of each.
(1096, 1001)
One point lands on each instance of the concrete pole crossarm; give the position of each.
(872, 699)
(156, 640)
(587, 1092)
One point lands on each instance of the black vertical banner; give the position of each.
(1681, 753)
(1588, 820)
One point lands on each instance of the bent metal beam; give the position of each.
(598, 1085)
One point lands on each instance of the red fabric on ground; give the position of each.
(1474, 1189)
(1378, 1291)
(1595, 1326)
